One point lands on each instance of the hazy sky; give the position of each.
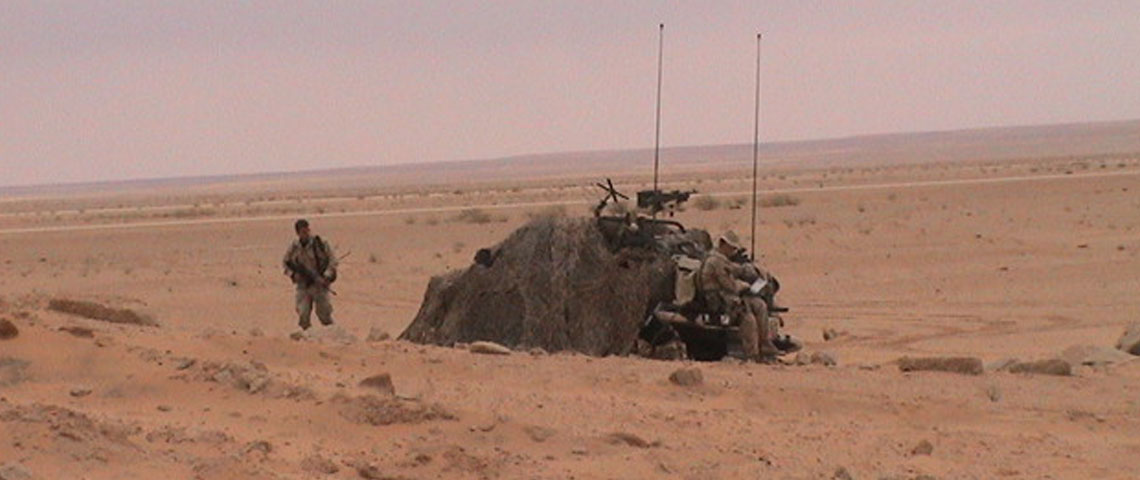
(99, 90)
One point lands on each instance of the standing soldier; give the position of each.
(721, 289)
(311, 265)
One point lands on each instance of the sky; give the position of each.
(94, 90)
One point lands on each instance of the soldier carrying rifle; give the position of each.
(310, 263)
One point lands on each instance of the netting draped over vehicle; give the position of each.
(554, 283)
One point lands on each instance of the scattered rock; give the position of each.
(333, 334)
(539, 434)
(1130, 341)
(830, 334)
(923, 448)
(618, 438)
(490, 348)
(869, 366)
(101, 312)
(1001, 365)
(376, 334)
(1052, 366)
(826, 359)
(14, 472)
(963, 365)
(537, 352)
(80, 392)
(165, 408)
(370, 472)
(185, 363)
(81, 332)
(579, 451)
(687, 377)
(381, 383)
(8, 329)
(379, 411)
(1093, 355)
(319, 464)
(841, 473)
(256, 332)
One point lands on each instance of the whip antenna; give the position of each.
(657, 136)
(755, 147)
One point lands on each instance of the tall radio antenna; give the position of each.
(755, 147)
(657, 136)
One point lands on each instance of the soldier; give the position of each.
(311, 265)
(721, 289)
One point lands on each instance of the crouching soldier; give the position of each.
(722, 288)
(311, 265)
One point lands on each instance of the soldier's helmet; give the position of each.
(731, 239)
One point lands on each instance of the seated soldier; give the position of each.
(722, 288)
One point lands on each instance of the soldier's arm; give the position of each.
(330, 270)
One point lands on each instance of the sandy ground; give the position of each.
(1002, 260)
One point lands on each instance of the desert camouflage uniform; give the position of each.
(720, 288)
(312, 255)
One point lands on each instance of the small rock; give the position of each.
(376, 334)
(823, 358)
(630, 439)
(579, 451)
(381, 383)
(1130, 341)
(370, 472)
(256, 332)
(802, 358)
(8, 329)
(923, 448)
(165, 408)
(1052, 366)
(963, 365)
(80, 392)
(993, 393)
(869, 366)
(539, 434)
(490, 348)
(537, 352)
(185, 363)
(81, 332)
(841, 473)
(830, 334)
(258, 446)
(319, 464)
(687, 377)
(333, 334)
(1093, 355)
(1001, 365)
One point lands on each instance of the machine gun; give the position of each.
(659, 200)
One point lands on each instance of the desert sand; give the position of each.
(1012, 258)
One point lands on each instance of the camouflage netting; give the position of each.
(555, 284)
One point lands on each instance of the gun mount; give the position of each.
(656, 201)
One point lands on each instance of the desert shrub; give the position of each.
(778, 200)
(553, 211)
(474, 215)
(706, 203)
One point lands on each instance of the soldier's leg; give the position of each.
(760, 310)
(324, 307)
(749, 331)
(304, 304)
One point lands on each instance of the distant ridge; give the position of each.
(996, 143)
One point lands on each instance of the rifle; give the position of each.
(308, 275)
